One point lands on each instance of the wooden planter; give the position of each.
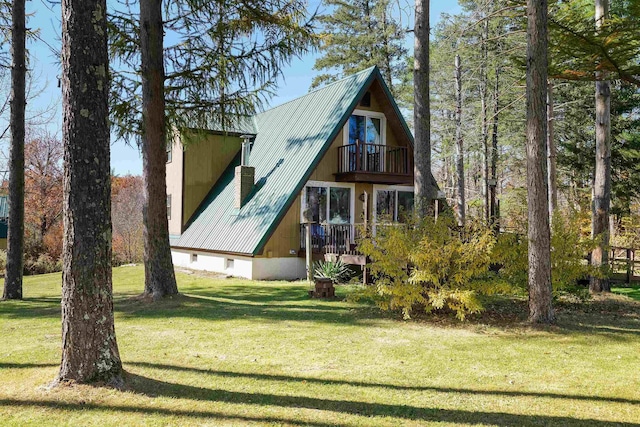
(323, 289)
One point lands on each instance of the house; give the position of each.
(237, 200)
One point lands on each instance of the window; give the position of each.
(169, 152)
(168, 206)
(194, 257)
(328, 203)
(393, 204)
(365, 127)
(366, 100)
(229, 264)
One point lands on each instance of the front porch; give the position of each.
(333, 242)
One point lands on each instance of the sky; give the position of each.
(126, 159)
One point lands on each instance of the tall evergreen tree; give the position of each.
(540, 291)
(424, 188)
(159, 278)
(89, 348)
(461, 204)
(602, 176)
(358, 34)
(15, 238)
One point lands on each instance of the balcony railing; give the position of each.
(331, 238)
(373, 158)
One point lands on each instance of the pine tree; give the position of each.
(602, 176)
(15, 240)
(540, 291)
(89, 347)
(359, 34)
(159, 278)
(424, 188)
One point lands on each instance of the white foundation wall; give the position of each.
(239, 266)
(290, 268)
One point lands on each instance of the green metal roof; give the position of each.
(233, 124)
(290, 142)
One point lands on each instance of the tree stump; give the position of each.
(323, 288)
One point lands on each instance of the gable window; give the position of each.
(329, 202)
(365, 127)
(393, 203)
(364, 139)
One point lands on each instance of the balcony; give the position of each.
(374, 163)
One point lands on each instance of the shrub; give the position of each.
(430, 265)
(42, 265)
(337, 271)
(569, 248)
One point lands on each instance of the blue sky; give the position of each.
(124, 158)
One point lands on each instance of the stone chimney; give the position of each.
(244, 180)
(245, 175)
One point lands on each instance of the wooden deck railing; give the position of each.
(331, 238)
(624, 264)
(376, 158)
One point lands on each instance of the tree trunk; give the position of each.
(485, 124)
(551, 151)
(160, 279)
(493, 198)
(424, 187)
(15, 237)
(459, 145)
(540, 290)
(602, 178)
(89, 348)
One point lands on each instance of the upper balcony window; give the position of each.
(365, 127)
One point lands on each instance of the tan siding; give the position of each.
(174, 186)
(361, 187)
(286, 236)
(206, 158)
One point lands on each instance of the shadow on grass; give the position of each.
(263, 301)
(272, 377)
(615, 319)
(139, 383)
(155, 388)
(209, 415)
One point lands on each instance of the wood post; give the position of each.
(308, 252)
(629, 267)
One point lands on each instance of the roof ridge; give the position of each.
(350, 76)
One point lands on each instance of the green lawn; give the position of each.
(236, 352)
(631, 292)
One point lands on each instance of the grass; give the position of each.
(236, 352)
(631, 291)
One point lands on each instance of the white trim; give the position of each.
(311, 183)
(396, 188)
(366, 113)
